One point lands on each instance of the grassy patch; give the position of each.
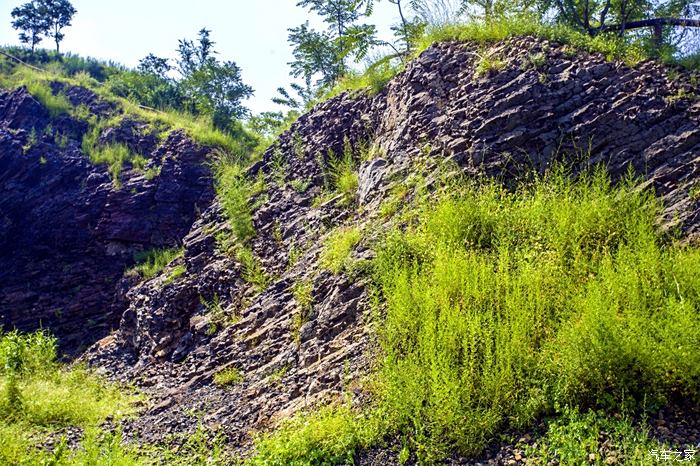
(504, 306)
(330, 435)
(115, 156)
(302, 292)
(253, 270)
(338, 247)
(488, 64)
(39, 398)
(177, 272)
(375, 77)
(594, 438)
(229, 376)
(234, 191)
(609, 45)
(372, 80)
(39, 88)
(150, 263)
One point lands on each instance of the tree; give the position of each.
(32, 24)
(325, 53)
(209, 86)
(621, 16)
(152, 64)
(58, 14)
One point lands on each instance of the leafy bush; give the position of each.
(47, 398)
(577, 438)
(229, 376)
(503, 306)
(253, 271)
(339, 245)
(328, 436)
(234, 191)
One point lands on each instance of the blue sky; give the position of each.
(253, 33)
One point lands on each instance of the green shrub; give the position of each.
(302, 292)
(502, 306)
(488, 64)
(328, 436)
(338, 247)
(253, 271)
(229, 376)
(593, 438)
(151, 262)
(234, 191)
(49, 398)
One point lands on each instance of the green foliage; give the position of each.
(593, 438)
(177, 272)
(210, 87)
(372, 79)
(338, 248)
(502, 306)
(200, 448)
(39, 88)
(115, 155)
(488, 64)
(493, 31)
(228, 376)
(150, 263)
(328, 436)
(253, 270)
(302, 292)
(39, 398)
(324, 54)
(234, 191)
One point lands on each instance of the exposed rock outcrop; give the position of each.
(67, 234)
(525, 116)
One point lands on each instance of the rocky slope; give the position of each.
(541, 107)
(67, 233)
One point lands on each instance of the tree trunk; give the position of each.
(405, 26)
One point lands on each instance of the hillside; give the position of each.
(292, 282)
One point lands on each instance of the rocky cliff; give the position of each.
(542, 106)
(67, 232)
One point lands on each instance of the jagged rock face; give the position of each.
(521, 117)
(67, 233)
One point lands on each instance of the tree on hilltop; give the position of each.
(58, 14)
(43, 18)
(33, 25)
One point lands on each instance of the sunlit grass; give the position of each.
(503, 306)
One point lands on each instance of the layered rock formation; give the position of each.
(67, 233)
(542, 106)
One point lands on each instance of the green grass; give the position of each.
(340, 177)
(328, 436)
(504, 306)
(338, 248)
(372, 80)
(488, 65)
(303, 295)
(39, 398)
(150, 263)
(252, 269)
(39, 88)
(594, 438)
(115, 156)
(234, 191)
(229, 376)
